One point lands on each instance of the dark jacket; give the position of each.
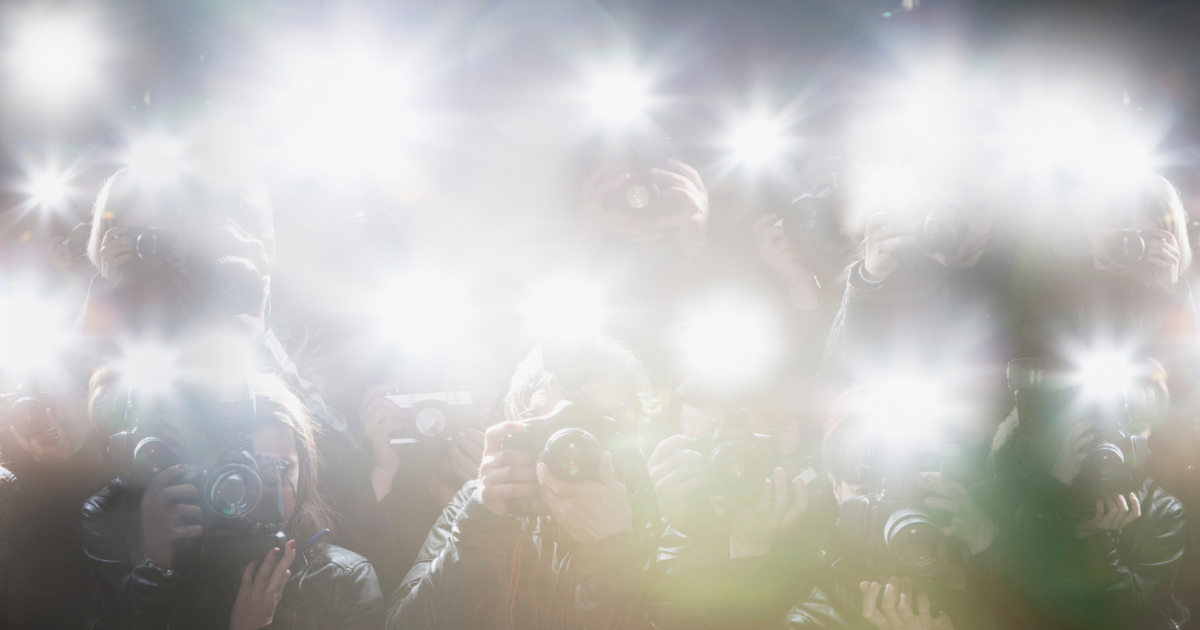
(49, 584)
(329, 588)
(479, 570)
(8, 489)
(1047, 578)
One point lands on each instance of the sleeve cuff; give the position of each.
(479, 527)
(859, 281)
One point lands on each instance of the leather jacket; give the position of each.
(479, 570)
(330, 587)
(1046, 577)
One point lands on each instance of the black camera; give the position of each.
(941, 231)
(737, 465)
(1126, 247)
(26, 413)
(225, 263)
(435, 416)
(891, 523)
(1050, 399)
(570, 440)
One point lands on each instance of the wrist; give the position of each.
(984, 539)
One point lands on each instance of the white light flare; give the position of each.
(425, 311)
(565, 307)
(55, 57)
(758, 141)
(1105, 374)
(341, 109)
(156, 160)
(730, 341)
(151, 368)
(33, 331)
(908, 407)
(618, 95)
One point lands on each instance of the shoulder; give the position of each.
(109, 499)
(1160, 504)
(340, 560)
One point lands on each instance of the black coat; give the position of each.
(329, 588)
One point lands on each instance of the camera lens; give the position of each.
(1106, 462)
(430, 423)
(151, 456)
(572, 455)
(913, 537)
(941, 235)
(233, 490)
(1126, 247)
(641, 193)
(154, 245)
(237, 286)
(736, 468)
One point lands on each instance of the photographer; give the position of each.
(159, 565)
(49, 442)
(683, 193)
(864, 588)
(484, 567)
(1078, 549)
(157, 250)
(934, 291)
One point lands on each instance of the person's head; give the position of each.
(616, 382)
(1151, 203)
(845, 446)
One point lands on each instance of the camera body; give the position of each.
(891, 523)
(433, 417)
(571, 441)
(737, 465)
(1049, 402)
(224, 264)
(1127, 247)
(25, 411)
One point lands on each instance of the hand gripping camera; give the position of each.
(1050, 399)
(891, 524)
(940, 231)
(434, 417)
(26, 413)
(240, 495)
(737, 465)
(570, 441)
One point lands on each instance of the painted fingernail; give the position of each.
(275, 552)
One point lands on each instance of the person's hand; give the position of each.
(1162, 254)
(778, 253)
(880, 242)
(163, 514)
(1112, 512)
(381, 418)
(116, 250)
(261, 589)
(598, 221)
(684, 190)
(676, 472)
(55, 453)
(753, 528)
(969, 523)
(505, 475)
(589, 511)
(895, 611)
(1072, 455)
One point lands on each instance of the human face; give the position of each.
(278, 442)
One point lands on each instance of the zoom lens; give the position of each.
(233, 490)
(573, 455)
(736, 469)
(155, 245)
(236, 287)
(151, 456)
(430, 424)
(1126, 247)
(641, 193)
(1106, 462)
(941, 235)
(913, 537)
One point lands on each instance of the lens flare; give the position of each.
(56, 56)
(563, 307)
(729, 340)
(33, 331)
(757, 141)
(618, 96)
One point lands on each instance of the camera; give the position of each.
(1050, 400)
(736, 466)
(570, 441)
(1126, 247)
(941, 231)
(26, 413)
(891, 523)
(225, 262)
(433, 417)
(240, 496)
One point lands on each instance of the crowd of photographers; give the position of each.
(985, 423)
